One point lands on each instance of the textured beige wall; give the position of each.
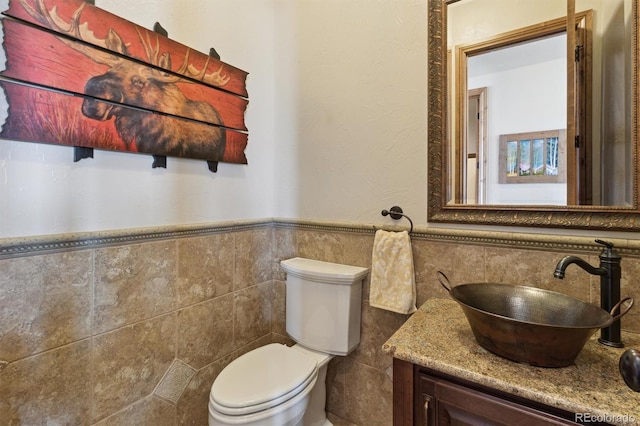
(135, 333)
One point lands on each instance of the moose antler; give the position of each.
(215, 78)
(50, 19)
(115, 43)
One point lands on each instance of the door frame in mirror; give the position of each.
(578, 217)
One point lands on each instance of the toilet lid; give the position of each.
(261, 379)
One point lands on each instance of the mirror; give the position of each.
(578, 140)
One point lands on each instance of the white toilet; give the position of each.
(278, 385)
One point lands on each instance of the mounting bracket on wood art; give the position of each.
(84, 75)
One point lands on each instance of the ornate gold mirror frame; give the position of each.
(579, 217)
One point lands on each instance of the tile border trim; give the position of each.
(29, 246)
(519, 240)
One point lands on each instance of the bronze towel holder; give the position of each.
(396, 213)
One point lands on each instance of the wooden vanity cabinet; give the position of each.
(424, 397)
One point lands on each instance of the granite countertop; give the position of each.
(438, 337)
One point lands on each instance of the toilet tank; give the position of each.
(323, 303)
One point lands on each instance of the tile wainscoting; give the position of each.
(132, 326)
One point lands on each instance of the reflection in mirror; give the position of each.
(514, 70)
(605, 120)
(614, 125)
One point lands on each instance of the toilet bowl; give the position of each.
(279, 385)
(274, 385)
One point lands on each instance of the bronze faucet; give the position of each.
(610, 273)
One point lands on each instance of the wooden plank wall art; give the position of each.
(77, 75)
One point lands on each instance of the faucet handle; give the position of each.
(608, 252)
(607, 244)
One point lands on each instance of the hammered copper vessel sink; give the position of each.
(531, 325)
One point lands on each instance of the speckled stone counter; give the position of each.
(438, 337)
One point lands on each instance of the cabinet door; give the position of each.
(452, 404)
(460, 406)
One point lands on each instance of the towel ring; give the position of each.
(396, 213)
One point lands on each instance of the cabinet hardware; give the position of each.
(425, 407)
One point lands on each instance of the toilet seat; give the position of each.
(261, 379)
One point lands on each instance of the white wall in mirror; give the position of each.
(469, 21)
(611, 128)
(526, 92)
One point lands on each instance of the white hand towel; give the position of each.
(393, 284)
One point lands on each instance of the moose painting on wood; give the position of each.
(77, 75)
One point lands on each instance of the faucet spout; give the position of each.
(562, 265)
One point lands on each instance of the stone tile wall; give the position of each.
(132, 333)
(135, 333)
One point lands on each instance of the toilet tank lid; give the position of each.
(316, 270)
